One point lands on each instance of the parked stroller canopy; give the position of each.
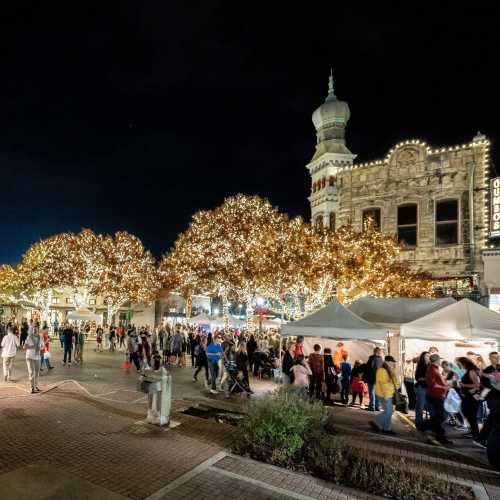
(334, 321)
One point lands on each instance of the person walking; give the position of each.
(68, 335)
(421, 389)
(375, 361)
(201, 359)
(10, 344)
(492, 397)
(133, 349)
(330, 375)
(45, 351)
(81, 343)
(24, 332)
(345, 381)
(33, 344)
(214, 355)
(317, 365)
(470, 386)
(385, 387)
(437, 389)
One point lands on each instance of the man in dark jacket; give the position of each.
(67, 337)
(372, 365)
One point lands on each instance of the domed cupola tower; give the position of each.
(331, 154)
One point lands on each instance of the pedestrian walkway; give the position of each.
(91, 436)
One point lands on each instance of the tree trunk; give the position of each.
(189, 306)
(225, 310)
(250, 313)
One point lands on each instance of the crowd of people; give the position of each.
(464, 393)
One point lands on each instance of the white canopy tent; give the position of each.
(201, 319)
(272, 323)
(334, 321)
(462, 320)
(84, 314)
(393, 312)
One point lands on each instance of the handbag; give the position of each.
(400, 401)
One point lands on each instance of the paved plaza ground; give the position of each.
(84, 437)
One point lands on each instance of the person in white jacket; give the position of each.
(9, 346)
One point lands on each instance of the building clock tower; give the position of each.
(329, 120)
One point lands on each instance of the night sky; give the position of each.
(133, 115)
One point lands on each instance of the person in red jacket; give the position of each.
(437, 389)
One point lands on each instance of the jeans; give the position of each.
(67, 353)
(469, 409)
(315, 386)
(8, 363)
(213, 368)
(354, 394)
(344, 391)
(383, 420)
(421, 400)
(374, 400)
(33, 371)
(438, 415)
(199, 366)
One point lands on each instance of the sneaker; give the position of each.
(38, 389)
(478, 443)
(51, 367)
(213, 391)
(195, 379)
(33, 391)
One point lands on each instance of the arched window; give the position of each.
(314, 187)
(318, 222)
(331, 180)
(332, 221)
(323, 182)
(371, 215)
(447, 222)
(407, 224)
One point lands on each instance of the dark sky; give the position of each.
(133, 115)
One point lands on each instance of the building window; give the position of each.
(318, 222)
(331, 180)
(371, 215)
(91, 302)
(69, 300)
(332, 221)
(55, 300)
(447, 222)
(323, 182)
(407, 225)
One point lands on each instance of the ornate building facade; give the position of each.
(434, 200)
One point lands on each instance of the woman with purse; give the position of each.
(385, 388)
(470, 385)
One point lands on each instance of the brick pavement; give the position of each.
(90, 430)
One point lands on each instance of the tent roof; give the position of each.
(462, 320)
(336, 322)
(202, 319)
(84, 314)
(397, 310)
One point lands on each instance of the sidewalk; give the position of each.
(85, 438)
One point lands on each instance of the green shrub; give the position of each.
(323, 456)
(277, 426)
(286, 429)
(391, 477)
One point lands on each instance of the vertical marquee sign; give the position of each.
(495, 208)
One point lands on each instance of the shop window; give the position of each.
(407, 225)
(447, 222)
(332, 221)
(318, 223)
(371, 215)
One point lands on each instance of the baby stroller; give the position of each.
(236, 384)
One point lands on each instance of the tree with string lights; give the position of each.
(129, 273)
